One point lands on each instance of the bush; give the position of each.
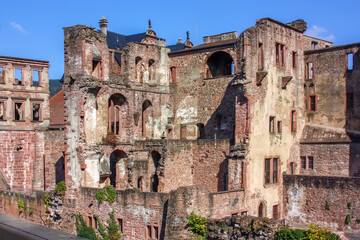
(100, 196)
(286, 233)
(348, 219)
(312, 233)
(197, 225)
(60, 188)
(84, 231)
(20, 205)
(349, 205)
(110, 194)
(327, 206)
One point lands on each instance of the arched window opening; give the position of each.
(116, 105)
(154, 180)
(151, 69)
(146, 113)
(115, 158)
(173, 74)
(219, 64)
(261, 210)
(200, 131)
(139, 73)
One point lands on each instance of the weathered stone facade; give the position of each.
(209, 128)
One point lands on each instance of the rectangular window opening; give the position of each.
(2, 75)
(36, 112)
(303, 162)
(35, 78)
(156, 232)
(279, 127)
(350, 61)
(244, 213)
(95, 222)
(18, 112)
(292, 168)
(275, 170)
(309, 71)
(267, 170)
(120, 222)
(280, 54)
(311, 162)
(18, 76)
(148, 231)
(2, 110)
(261, 57)
(90, 221)
(294, 60)
(312, 106)
(293, 121)
(272, 124)
(276, 212)
(314, 45)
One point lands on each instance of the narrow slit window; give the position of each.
(350, 61)
(18, 76)
(90, 222)
(309, 71)
(275, 170)
(156, 232)
(292, 168)
(293, 121)
(120, 222)
(267, 170)
(303, 162)
(260, 57)
(272, 124)
(311, 162)
(294, 60)
(35, 78)
(312, 106)
(279, 126)
(36, 112)
(173, 74)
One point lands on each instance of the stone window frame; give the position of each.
(305, 162)
(3, 100)
(120, 222)
(22, 68)
(295, 59)
(280, 54)
(279, 127)
(272, 120)
(40, 102)
(309, 70)
(276, 211)
(4, 74)
(16, 100)
(270, 172)
(152, 231)
(39, 76)
(293, 121)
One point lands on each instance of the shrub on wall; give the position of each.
(197, 225)
(312, 233)
(108, 194)
(60, 188)
(327, 206)
(20, 205)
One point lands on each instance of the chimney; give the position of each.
(103, 25)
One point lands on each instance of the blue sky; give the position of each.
(33, 29)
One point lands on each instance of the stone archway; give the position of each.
(118, 169)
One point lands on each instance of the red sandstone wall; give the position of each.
(305, 199)
(21, 154)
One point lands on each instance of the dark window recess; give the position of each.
(156, 232)
(90, 222)
(275, 170)
(244, 213)
(35, 78)
(294, 60)
(293, 121)
(120, 222)
(311, 162)
(312, 103)
(2, 110)
(350, 61)
(36, 112)
(173, 74)
(18, 76)
(309, 70)
(349, 100)
(303, 162)
(279, 126)
(18, 116)
(280, 54)
(260, 57)
(267, 170)
(292, 168)
(276, 212)
(149, 232)
(314, 45)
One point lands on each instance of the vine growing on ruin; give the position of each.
(20, 205)
(197, 226)
(107, 194)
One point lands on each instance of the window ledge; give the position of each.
(18, 120)
(36, 121)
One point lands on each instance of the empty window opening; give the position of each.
(95, 222)
(156, 232)
(151, 69)
(303, 162)
(261, 210)
(18, 76)
(219, 64)
(312, 106)
(293, 121)
(279, 126)
(173, 74)
(280, 54)
(169, 120)
(156, 157)
(120, 222)
(146, 118)
(117, 112)
(314, 45)
(244, 213)
(60, 169)
(182, 131)
(140, 183)
(349, 100)
(276, 212)
(89, 221)
(275, 170)
(116, 158)
(96, 68)
(36, 112)
(148, 232)
(309, 71)
(1, 75)
(311, 162)
(35, 78)
(2, 110)
(292, 168)
(200, 131)
(294, 60)
(18, 110)
(350, 61)
(260, 57)
(139, 70)
(272, 124)
(267, 170)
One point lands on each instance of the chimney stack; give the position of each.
(103, 25)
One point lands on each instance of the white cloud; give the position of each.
(321, 33)
(18, 27)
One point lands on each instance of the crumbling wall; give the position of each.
(325, 201)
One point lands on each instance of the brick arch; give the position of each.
(222, 55)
